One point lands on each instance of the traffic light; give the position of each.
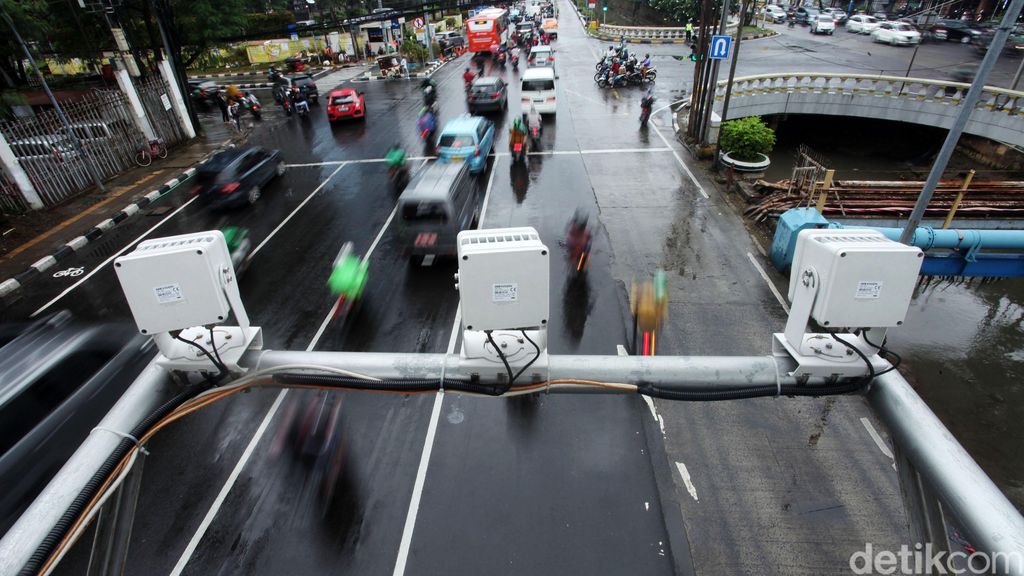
(694, 55)
(604, 5)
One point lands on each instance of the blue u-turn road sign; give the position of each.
(720, 47)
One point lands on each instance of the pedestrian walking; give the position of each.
(405, 67)
(689, 30)
(222, 103)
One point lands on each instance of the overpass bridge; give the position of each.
(998, 116)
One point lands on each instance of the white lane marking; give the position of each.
(360, 161)
(428, 260)
(760, 249)
(421, 471)
(647, 506)
(111, 259)
(621, 350)
(669, 105)
(219, 501)
(882, 446)
(294, 212)
(768, 281)
(681, 163)
(594, 100)
(366, 257)
(435, 414)
(685, 474)
(654, 413)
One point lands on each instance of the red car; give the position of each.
(345, 103)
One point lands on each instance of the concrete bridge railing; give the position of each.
(651, 33)
(999, 114)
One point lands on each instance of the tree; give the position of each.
(201, 23)
(747, 138)
(681, 10)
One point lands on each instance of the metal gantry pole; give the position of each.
(967, 108)
(712, 80)
(87, 159)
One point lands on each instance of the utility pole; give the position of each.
(712, 81)
(732, 68)
(173, 68)
(967, 107)
(426, 34)
(89, 166)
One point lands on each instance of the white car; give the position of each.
(823, 24)
(541, 56)
(897, 34)
(862, 24)
(774, 13)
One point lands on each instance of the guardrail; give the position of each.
(652, 33)
(998, 116)
(1009, 102)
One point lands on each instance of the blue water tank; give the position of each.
(790, 224)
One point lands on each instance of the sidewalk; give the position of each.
(34, 236)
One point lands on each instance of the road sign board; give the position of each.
(591, 5)
(418, 22)
(395, 25)
(720, 47)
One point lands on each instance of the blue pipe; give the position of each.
(956, 252)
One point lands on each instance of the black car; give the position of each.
(304, 82)
(236, 176)
(487, 93)
(956, 30)
(58, 379)
(1014, 43)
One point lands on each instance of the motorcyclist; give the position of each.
(348, 276)
(395, 158)
(299, 101)
(533, 119)
(649, 303)
(647, 102)
(578, 239)
(468, 77)
(645, 65)
(427, 122)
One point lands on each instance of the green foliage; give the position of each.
(413, 50)
(680, 10)
(201, 23)
(274, 22)
(747, 137)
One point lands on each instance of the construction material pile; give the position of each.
(1001, 199)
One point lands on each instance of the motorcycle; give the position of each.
(616, 81)
(427, 125)
(239, 247)
(518, 145)
(429, 96)
(501, 59)
(534, 126)
(515, 61)
(273, 74)
(579, 254)
(645, 110)
(302, 108)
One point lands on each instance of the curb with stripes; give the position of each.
(314, 75)
(430, 71)
(11, 285)
(252, 73)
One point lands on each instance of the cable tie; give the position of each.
(123, 435)
(778, 377)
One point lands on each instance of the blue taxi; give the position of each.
(468, 138)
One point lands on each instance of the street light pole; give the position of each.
(56, 105)
(967, 108)
(732, 68)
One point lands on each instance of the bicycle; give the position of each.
(144, 157)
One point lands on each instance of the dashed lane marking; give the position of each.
(882, 446)
(294, 212)
(681, 163)
(685, 475)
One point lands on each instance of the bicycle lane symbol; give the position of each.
(69, 273)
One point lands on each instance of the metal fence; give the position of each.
(156, 99)
(103, 125)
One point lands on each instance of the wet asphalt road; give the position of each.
(550, 485)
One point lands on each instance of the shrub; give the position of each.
(747, 137)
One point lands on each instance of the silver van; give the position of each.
(439, 202)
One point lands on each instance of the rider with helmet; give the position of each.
(348, 278)
(578, 240)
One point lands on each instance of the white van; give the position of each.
(538, 89)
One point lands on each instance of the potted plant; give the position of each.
(747, 143)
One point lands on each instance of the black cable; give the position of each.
(765, 391)
(883, 350)
(530, 363)
(502, 356)
(218, 365)
(871, 369)
(88, 492)
(402, 385)
(213, 346)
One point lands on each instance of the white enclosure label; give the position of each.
(168, 293)
(505, 292)
(868, 290)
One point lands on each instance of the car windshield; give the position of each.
(869, 20)
(304, 81)
(343, 99)
(456, 140)
(537, 85)
(824, 18)
(904, 27)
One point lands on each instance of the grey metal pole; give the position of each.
(56, 106)
(712, 83)
(428, 36)
(978, 506)
(967, 108)
(732, 69)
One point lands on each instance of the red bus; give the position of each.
(487, 28)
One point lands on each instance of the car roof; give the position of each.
(341, 92)
(542, 73)
(223, 159)
(463, 124)
(541, 49)
(486, 80)
(434, 182)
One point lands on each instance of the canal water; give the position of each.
(963, 341)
